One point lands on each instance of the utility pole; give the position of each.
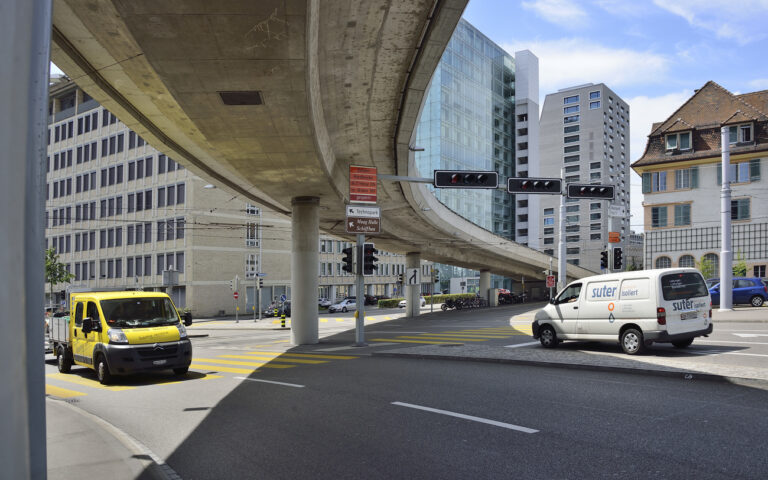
(726, 255)
(360, 297)
(561, 263)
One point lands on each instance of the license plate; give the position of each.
(688, 315)
(159, 362)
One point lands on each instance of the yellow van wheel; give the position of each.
(102, 371)
(63, 360)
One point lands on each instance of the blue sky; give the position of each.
(651, 53)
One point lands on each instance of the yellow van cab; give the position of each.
(122, 333)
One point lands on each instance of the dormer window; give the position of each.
(740, 133)
(679, 141)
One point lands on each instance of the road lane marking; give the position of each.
(350, 347)
(469, 335)
(220, 368)
(86, 382)
(429, 342)
(715, 342)
(526, 344)
(468, 417)
(431, 337)
(308, 355)
(234, 362)
(270, 381)
(276, 358)
(62, 392)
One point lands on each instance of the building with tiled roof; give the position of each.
(682, 178)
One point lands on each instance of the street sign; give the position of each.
(363, 225)
(614, 237)
(413, 276)
(363, 211)
(362, 184)
(282, 297)
(550, 281)
(617, 211)
(236, 295)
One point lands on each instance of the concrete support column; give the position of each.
(305, 223)
(332, 294)
(485, 284)
(412, 292)
(25, 36)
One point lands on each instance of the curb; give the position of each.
(685, 375)
(158, 469)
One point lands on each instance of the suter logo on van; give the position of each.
(604, 292)
(686, 305)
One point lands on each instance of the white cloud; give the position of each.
(643, 112)
(568, 62)
(565, 13)
(623, 8)
(759, 83)
(744, 23)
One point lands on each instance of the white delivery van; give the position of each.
(638, 308)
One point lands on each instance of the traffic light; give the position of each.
(369, 259)
(261, 283)
(617, 258)
(604, 259)
(232, 285)
(437, 276)
(400, 278)
(580, 190)
(347, 259)
(465, 179)
(534, 185)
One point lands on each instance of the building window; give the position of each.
(572, 168)
(595, 165)
(571, 159)
(679, 141)
(594, 105)
(571, 99)
(654, 182)
(594, 95)
(663, 262)
(573, 250)
(251, 235)
(740, 209)
(549, 241)
(572, 208)
(682, 215)
(571, 139)
(549, 211)
(658, 217)
(572, 219)
(595, 236)
(741, 172)
(687, 178)
(740, 133)
(571, 129)
(687, 261)
(571, 119)
(758, 271)
(571, 109)
(549, 220)
(571, 149)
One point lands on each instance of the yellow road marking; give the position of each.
(387, 318)
(471, 335)
(62, 392)
(323, 320)
(85, 382)
(256, 363)
(219, 368)
(268, 358)
(339, 319)
(430, 337)
(308, 355)
(410, 341)
(170, 382)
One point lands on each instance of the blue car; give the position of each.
(746, 290)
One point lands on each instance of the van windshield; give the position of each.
(679, 286)
(139, 312)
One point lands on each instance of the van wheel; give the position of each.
(63, 360)
(632, 341)
(443, 307)
(344, 309)
(548, 337)
(683, 343)
(181, 370)
(102, 371)
(757, 301)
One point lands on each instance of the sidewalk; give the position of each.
(81, 445)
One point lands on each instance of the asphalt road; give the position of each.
(335, 411)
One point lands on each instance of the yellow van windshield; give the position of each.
(139, 312)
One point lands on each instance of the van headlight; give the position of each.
(116, 336)
(182, 331)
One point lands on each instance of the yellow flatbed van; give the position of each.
(118, 333)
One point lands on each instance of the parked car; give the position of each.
(324, 302)
(746, 290)
(343, 306)
(422, 300)
(711, 282)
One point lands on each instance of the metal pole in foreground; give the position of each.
(726, 255)
(360, 295)
(561, 263)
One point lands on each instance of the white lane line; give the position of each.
(715, 342)
(746, 354)
(350, 347)
(269, 381)
(521, 345)
(468, 417)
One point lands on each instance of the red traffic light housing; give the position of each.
(580, 190)
(465, 179)
(369, 259)
(534, 185)
(347, 259)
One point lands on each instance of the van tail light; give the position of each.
(661, 316)
(710, 309)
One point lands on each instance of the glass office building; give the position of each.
(469, 123)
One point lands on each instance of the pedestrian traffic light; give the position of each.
(617, 258)
(534, 185)
(604, 259)
(579, 190)
(369, 259)
(465, 179)
(400, 278)
(232, 285)
(261, 283)
(347, 259)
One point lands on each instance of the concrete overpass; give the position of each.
(273, 100)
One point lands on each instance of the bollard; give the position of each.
(282, 320)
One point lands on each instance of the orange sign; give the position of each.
(614, 237)
(362, 184)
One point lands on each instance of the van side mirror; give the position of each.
(553, 301)
(87, 325)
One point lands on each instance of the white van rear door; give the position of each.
(685, 299)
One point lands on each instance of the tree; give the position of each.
(55, 271)
(706, 267)
(633, 266)
(740, 267)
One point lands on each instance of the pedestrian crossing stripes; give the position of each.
(92, 383)
(339, 320)
(260, 359)
(457, 336)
